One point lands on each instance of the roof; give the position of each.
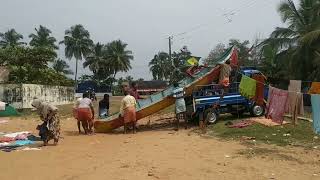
(152, 84)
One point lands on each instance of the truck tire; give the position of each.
(211, 116)
(257, 110)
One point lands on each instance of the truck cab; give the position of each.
(210, 101)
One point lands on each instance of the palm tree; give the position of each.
(61, 66)
(161, 67)
(300, 41)
(10, 38)
(95, 60)
(42, 38)
(77, 44)
(118, 57)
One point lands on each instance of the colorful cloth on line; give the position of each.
(247, 87)
(276, 105)
(315, 101)
(315, 88)
(294, 104)
(259, 97)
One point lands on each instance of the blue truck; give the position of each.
(210, 101)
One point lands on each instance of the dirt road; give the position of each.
(158, 153)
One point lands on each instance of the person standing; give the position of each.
(104, 106)
(180, 105)
(224, 77)
(128, 111)
(134, 91)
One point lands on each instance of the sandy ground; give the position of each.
(155, 152)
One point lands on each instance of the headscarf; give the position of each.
(43, 108)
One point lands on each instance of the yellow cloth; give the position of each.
(127, 101)
(315, 88)
(192, 61)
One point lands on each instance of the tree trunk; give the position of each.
(75, 76)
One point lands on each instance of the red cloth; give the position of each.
(276, 105)
(6, 139)
(129, 115)
(234, 57)
(84, 114)
(259, 97)
(21, 137)
(241, 124)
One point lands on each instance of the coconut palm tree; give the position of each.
(77, 44)
(118, 57)
(160, 66)
(95, 60)
(42, 38)
(300, 41)
(61, 66)
(10, 38)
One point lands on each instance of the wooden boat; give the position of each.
(163, 99)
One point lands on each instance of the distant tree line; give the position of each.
(37, 61)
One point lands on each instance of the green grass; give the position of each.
(300, 135)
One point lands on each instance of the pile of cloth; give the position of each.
(12, 141)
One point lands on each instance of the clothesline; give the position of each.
(272, 86)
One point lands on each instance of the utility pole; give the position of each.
(170, 37)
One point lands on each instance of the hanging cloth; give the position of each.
(259, 97)
(315, 101)
(295, 105)
(276, 105)
(315, 88)
(247, 87)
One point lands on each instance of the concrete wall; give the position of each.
(22, 95)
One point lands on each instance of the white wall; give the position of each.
(22, 95)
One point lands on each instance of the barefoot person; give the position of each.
(179, 93)
(50, 128)
(86, 113)
(128, 111)
(75, 111)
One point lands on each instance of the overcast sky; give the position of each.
(145, 24)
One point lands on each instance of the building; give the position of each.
(150, 87)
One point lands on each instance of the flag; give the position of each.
(193, 61)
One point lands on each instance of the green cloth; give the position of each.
(247, 87)
(10, 111)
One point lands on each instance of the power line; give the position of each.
(226, 15)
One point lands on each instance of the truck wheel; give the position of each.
(211, 116)
(257, 110)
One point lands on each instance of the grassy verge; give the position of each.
(300, 135)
